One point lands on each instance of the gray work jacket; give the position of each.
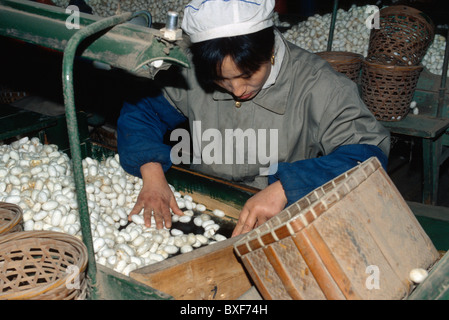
(312, 109)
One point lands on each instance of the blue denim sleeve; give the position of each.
(140, 132)
(301, 177)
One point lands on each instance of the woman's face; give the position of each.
(242, 86)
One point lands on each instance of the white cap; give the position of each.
(210, 19)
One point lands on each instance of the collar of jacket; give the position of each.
(275, 97)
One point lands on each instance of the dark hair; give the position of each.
(248, 51)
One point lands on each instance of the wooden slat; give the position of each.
(317, 267)
(209, 273)
(418, 126)
(231, 212)
(265, 292)
(332, 265)
(234, 185)
(282, 273)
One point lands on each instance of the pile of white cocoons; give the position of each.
(39, 179)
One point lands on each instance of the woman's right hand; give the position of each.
(156, 198)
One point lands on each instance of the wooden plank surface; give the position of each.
(213, 192)
(231, 212)
(208, 273)
(418, 126)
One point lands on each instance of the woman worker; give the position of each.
(246, 76)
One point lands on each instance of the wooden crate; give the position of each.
(353, 238)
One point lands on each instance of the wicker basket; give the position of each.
(42, 265)
(388, 90)
(348, 63)
(403, 38)
(11, 218)
(353, 238)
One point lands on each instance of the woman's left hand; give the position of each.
(261, 207)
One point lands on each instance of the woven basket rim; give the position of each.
(406, 10)
(392, 67)
(345, 186)
(50, 235)
(17, 217)
(339, 54)
(407, 31)
(341, 57)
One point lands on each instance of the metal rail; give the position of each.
(72, 127)
(127, 46)
(332, 27)
(442, 90)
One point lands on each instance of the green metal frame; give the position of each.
(436, 285)
(72, 127)
(332, 27)
(126, 46)
(70, 52)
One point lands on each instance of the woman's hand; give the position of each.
(261, 207)
(155, 198)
